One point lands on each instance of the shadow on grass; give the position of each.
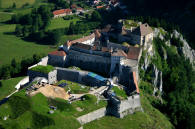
(9, 33)
(40, 121)
(19, 105)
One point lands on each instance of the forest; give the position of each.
(181, 12)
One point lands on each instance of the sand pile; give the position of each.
(52, 91)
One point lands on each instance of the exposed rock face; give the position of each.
(157, 74)
(157, 82)
(188, 52)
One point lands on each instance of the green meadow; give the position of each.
(61, 23)
(32, 112)
(151, 118)
(8, 86)
(15, 47)
(19, 3)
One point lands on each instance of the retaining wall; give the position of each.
(22, 82)
(43, 62)
(130, 105)
(120, 110)
(92, 116)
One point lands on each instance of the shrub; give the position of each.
(146, 87)
(19, 105)
(90, 98)
(119, 92)
(176, 42)
(40, 121)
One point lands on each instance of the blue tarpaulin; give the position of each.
(62, 85)
(96, 76)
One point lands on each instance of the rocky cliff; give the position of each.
(150, 61)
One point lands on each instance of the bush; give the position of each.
(40, 121)
(176, 42)
(146, 87)
(19, 105)
(95, 16)
(119, 92)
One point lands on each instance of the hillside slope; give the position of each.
(151, 118)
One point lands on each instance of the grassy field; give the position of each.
(32, 112)
(14, 47)
(61, 23)
(74, 87)
(151, 118)
(8, 86)
(35, 114)
(65, 38)
(4, 16)
(19, 3)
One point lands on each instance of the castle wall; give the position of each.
(56, 60)
(121, 109)
(132, 39)
(51, 76)
(125, 76)
(89, 62)
(130, 105)
(117, 46)
(92, 116)
(43, 62)
(71, 75)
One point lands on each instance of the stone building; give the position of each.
(110, 59)
(57, 58)
(136, 35)
(62, 13)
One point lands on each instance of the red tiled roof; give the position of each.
(79, 9)
(105, 49)
(81, 39)
(62, 11)
(58, 53)
(99, 7)
(119, 53)
(133, 53)
(82, 46)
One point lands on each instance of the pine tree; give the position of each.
(18, 30)
(14, 5)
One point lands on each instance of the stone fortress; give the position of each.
(96, 53)
(115, 61)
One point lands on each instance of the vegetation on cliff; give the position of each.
(178, 92)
